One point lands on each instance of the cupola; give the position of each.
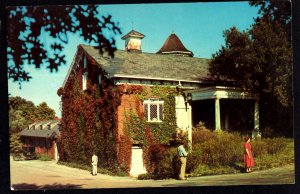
(174, 46)
(133, 41)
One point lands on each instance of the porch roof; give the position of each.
(220, 92)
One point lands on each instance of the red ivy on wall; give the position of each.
(89, 123)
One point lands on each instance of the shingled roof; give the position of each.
(34, 129)
(173, 45)
(149, 65)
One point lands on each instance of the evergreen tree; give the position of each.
(15, 143)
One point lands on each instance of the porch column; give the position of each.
(190, 127)
(217, 114)
(256, 115)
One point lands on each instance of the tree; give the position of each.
(23, 112)
(16, 121)
(44, 112)
(276, 11)
(260, 59)
(20, 113)
(15, 143)
(27, 27)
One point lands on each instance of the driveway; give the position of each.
(43, 175)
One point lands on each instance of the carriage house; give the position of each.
(173, 66)
(43, 136)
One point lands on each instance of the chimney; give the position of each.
(133, 41)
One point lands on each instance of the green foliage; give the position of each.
(162, 131)
(23, 113)
(259, 147)
(149, 134)
(15, 143)
(17, 121)
(221, 153)
(43, 157)
(260, 60)
(224, 149)
(200, 134)
(44, 112)
(282, 157)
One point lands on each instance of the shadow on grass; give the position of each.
(238, 168)
(25, 186)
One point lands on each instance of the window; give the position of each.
(99, 79)
(84, 62)
(84, 80)
(153, 109)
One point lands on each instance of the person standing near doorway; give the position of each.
(94, 164)
(248, 157)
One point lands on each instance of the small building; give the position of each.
(43, 136)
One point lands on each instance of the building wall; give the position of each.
(128, 102)
(42, 146)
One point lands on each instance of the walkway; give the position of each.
(49, 175)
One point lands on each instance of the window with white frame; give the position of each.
(153, 109)
(84, 81)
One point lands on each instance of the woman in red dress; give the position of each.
(248, 157)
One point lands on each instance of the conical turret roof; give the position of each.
(173, 45)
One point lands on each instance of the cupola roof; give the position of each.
(173, 45)
(133, 33)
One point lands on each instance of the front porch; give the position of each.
(220, 108)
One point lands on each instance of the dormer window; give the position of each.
(49, 127)
(41, 127)
(84, 80)
(33, 127)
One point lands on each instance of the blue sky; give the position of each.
(200, 27)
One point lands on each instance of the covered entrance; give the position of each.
(224, 108)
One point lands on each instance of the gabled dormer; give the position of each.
(133, 41)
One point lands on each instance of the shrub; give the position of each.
(201, 134)
(194, 159)
(275, 145)
(43, 157)
(224, 149)
(259, 148)
(161, 159)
